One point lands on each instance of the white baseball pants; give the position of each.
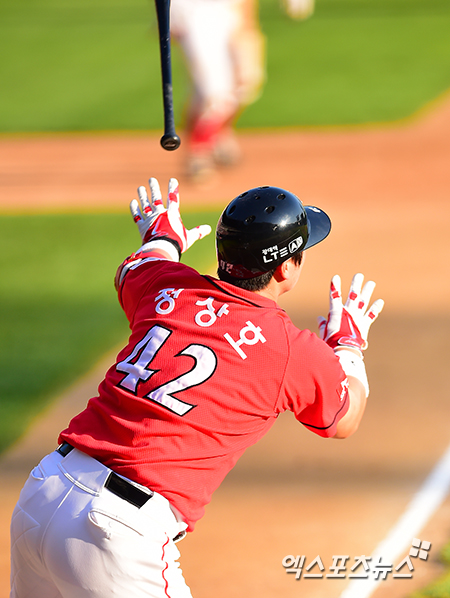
(224, 48)
(73, 538)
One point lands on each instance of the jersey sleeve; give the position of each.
(315, 385)
(135, 275)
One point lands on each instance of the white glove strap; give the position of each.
(353, 365)
(166, 246)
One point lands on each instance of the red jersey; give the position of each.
(207, 370)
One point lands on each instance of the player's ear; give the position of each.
(283, 271)
(287, 269)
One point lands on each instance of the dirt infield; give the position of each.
(387, 190)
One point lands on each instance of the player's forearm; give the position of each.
(351, 420)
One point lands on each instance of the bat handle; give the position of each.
(170, 140)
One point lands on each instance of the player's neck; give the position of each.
(283, 280)
(273, 290)
(268, 295)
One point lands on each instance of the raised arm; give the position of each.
(162, 231)
(346, 330)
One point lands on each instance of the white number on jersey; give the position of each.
(137, 370)
(204, 368)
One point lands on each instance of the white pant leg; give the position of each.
(204, 29)
(72, 538)
(225, 51)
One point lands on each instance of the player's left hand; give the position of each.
(154, 221)
(348, 325)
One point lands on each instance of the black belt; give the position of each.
(116, 484)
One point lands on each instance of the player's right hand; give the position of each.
(154, 221)
(347, 326)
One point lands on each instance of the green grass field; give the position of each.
(90, 65)
(94, 65)
(59, 310)
(440, 588)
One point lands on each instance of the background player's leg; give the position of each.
(205, 38)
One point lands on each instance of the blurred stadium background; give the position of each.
(93, 66)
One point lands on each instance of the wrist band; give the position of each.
(168, 245)
(353, 365)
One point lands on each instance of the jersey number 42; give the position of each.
(137, 370)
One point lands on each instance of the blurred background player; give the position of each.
(298, 9)
(225, 55)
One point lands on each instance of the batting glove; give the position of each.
(162, 228)
(347, 326)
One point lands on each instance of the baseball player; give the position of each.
(225, 55)
(101, 515)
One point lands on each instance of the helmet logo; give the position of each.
(271, 254)
(295, 244)
(275, 253)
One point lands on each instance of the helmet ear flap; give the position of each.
(261, 228)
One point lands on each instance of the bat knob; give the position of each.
(170, 142)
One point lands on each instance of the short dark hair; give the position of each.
(258, 282)
(249, 284)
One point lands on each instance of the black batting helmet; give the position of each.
(263, 227)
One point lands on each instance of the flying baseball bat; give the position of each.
(170, 140)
